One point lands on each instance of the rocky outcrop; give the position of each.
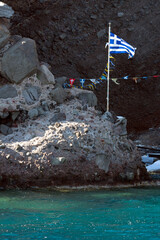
(64, 143)
(55, 136)
(72, 146)
(74, 46)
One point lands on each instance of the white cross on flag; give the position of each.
(82, 81)
(118, 45)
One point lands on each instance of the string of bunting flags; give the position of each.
(90, 84)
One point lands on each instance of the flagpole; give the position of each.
(109, 30)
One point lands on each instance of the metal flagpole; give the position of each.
(108, 66)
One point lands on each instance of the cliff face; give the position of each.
(71, 36)
(51, 135)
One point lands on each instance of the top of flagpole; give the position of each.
(109, 26)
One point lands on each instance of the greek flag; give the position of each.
(118, 45)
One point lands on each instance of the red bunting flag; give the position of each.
(156, 76)
(71, 80)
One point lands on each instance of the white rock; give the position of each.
(154, 167)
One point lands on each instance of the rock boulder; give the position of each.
(31, 94)
(8, 91)
(88, 98)
(58, 95)
(20, 61)
(45, 76)
(5, 10)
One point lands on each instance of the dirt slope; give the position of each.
(66, 36)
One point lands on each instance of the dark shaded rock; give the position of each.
(8, 91)
(5, 130)
(20, 61)
(88, 98)
(58, 117)
(5, 22)
(58, 95)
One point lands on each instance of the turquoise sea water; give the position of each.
(108, 214)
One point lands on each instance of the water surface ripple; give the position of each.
(105, 214)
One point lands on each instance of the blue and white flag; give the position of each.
(82, 81)
(118, 45)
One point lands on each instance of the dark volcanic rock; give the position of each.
(82, 54)
(20, 61)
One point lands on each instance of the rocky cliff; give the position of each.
(51, 135)
(71, 36)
